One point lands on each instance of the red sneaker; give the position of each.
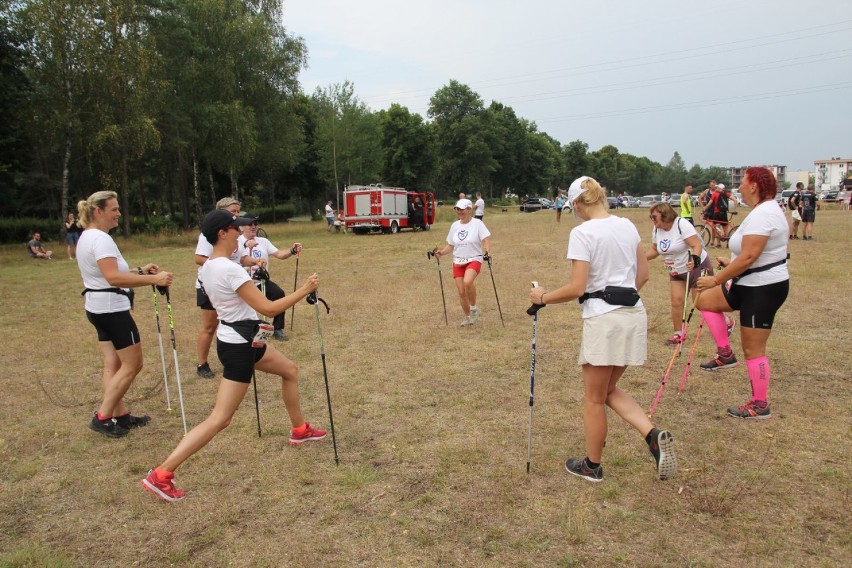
(163, 487)
(307, 434)
(674, 339)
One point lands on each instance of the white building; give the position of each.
(799, 176)
(829, 174)
(737, 174)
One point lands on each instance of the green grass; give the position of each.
(431, 423)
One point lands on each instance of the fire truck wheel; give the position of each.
(394, 228)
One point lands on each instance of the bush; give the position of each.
(20, 230)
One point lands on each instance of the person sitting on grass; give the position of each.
(37, 249)
(237, 301)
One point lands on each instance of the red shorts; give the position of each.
(460, 269)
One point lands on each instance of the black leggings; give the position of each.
(274, 292)
(757, 304)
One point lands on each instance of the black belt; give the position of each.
(599, 295)
(762, 268)
(121, 291)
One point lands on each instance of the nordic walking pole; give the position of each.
(162, 351)
(691, 355)
(315, 300)
(295, 284)
(533, 311)
(675, 355)
(487, 258)
(262, 275)
(429, 255)
(165, 290)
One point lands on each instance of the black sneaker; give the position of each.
(129, 421)
(718, 362)
(205, 372)
(579, 468)
(108, 427)
(280, 335)
(662, 448)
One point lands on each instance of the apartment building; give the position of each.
(829, 174)
(737, 173)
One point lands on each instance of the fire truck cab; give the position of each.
(374, 208)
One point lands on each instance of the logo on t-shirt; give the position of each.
(665, 244)
(462, 234)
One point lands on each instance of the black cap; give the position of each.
(254, 218)
(219, 219)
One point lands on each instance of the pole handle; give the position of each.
(533, 309)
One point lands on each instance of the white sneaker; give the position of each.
(474, 314)
(465, 322)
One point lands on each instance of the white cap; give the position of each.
(463, 204)
(575, 190)
(720, 186)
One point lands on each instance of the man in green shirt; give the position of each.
(686, 204)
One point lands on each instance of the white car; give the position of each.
(647, 201)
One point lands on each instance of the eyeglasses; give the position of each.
(253, 224)
(653, 217)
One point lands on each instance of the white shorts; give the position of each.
(795, 215)
(618, 338)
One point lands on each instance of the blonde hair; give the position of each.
(667, 212)
(226, 202)
(594, 193)
(95, 201)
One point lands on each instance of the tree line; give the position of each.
(177, 103)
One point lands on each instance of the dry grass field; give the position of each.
(431, 423)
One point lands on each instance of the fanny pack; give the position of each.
(252, 330)
(129, 293)
(761, 268)
(614, 295)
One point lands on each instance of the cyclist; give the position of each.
(717, 207)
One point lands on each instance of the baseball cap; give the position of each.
(463, 204)
(575, 190)
(219, 219)
(720, 186)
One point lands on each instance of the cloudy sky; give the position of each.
(722, 82)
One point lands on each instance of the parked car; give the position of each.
(531, 204)
(843, 196)
(649, 200)
(613, 202)
(547, 204)
(830, 196)
(630, 201)
(739, 198)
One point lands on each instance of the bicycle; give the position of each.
(717, 228)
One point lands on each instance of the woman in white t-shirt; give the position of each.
(260, 249)
(209, 323)
(237, 301)
(754, 281)
(108, 280)
(468, 241)
(683, 254)
(605, 251)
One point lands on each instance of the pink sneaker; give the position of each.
(163, 487)
(674, 339)
(308, 434)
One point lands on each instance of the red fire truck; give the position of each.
(374, 208)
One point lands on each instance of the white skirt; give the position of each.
(618, 338)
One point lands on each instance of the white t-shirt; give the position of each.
(672, 245)
(260, 251)
(609, 246)
(94, 245)
(480, 207)
(204, 248)
(466, 239)
(221, 279)
(767, 219)
(329, 212)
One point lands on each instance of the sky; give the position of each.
(722, 82)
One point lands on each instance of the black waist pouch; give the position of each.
(246, 328)
(614, 295)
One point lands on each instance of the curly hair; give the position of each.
(767, 185)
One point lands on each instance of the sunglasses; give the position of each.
(653, 217)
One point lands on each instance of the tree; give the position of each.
(407, 148)
(674, 175)
(464, 154)
(575, 161)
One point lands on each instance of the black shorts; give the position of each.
(202, 300)
(757, 304)
(117, 327)
(238, 360)
(808, 215)
(720, 216)
(479, 217)
(706, 266)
